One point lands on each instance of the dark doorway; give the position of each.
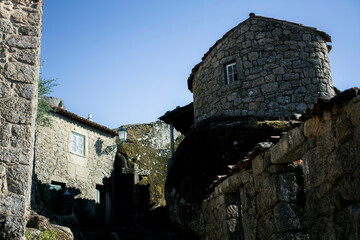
(100, 205)
(56, 197)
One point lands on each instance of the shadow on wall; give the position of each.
(59, 203)
(119, 202)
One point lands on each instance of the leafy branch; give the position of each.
(45, 86)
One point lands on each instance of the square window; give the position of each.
(78, 144)
(231, 73)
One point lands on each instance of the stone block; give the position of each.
(13, 205)
(25, 42)
(269, 87)
(269, 196)
(15, 155)
(82, 171)
(18, 179)
(288, 149)
(3, 181)
(290, 76)
(78, 160)
(279, 70)
(29, 31)
(25, 91)
(21, 136)
(32, 18)
(5, 135)
(287, 187)
(258, 165)
(253, 56)
(6, 27)
(286, 216)
(11, 227)
(20, 72)
(4, 13)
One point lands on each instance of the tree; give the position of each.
(45, 86)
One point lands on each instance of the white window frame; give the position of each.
(231, 71)
(97, 196)
(78, 144)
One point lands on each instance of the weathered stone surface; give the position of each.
(32, 18)
(20, 72)
(16, 110)
(37, 224)
(18, 85)
(286, 217)
(26, 55)
(25, 42)
(18, 179)
(29, 31)
(15, 155)
(6, 27)
(289, 147)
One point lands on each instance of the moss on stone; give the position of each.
(282, 126)
(140, 149)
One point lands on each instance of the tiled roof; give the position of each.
(83, 120)
(197, 66)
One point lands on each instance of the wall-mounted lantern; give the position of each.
(122, 133)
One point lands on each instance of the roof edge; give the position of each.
(73, 116)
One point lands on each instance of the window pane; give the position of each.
(231, 73)
(234, 68)
(74, 143)
(78, 143)
(97, 196)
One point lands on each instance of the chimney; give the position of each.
(90, 117)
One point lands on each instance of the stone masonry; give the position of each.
(282, 68)
(55, 161)
(20, 33)
(304, 187)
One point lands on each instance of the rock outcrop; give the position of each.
(148, 146)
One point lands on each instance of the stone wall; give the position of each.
(282, 69)
(269, 198)
(20, 33)
(55, 161)
(305, 187)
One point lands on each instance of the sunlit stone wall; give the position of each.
(20, 33)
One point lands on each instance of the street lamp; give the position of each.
(122, 133)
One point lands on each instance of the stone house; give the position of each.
(263, 67)
(250, 166)
(70, 166)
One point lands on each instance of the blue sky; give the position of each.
(127, 61)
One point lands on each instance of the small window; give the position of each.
(97, 196)
(78, 144)
(231, 73)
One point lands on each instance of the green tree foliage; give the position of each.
(45, 87)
